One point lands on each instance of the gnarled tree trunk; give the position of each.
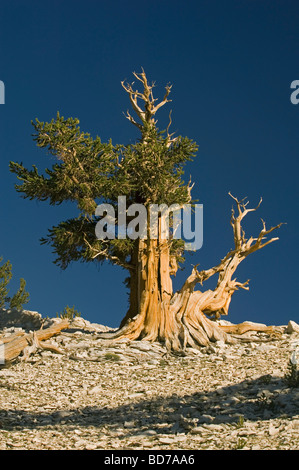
(181, 319)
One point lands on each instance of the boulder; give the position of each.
(292, 327)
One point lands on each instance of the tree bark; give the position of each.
(181, 319)
(156, 313)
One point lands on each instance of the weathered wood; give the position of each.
(17, 344)
(244, 327)
(181, 319)
(7, 339)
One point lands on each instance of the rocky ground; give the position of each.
(100, 394)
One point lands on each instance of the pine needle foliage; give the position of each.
(88, 172)
(20, 298)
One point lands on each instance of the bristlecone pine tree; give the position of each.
(89, 172)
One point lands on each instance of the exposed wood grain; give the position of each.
(16, 345)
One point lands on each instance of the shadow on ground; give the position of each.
(260, 399)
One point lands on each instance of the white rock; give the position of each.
(129, 424)
(197, 430)
(145, 402)
(94, 390)
(292, 327)
(273, 430)
(141, 346)
(166, 440)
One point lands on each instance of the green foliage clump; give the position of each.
(69, 313)
(241, 443)
(112, 357)
(20, 298)
(5, 277)
(88, 172)
(292, 374)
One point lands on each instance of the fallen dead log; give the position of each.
(30, 342)
(244, 327)
(7, 339)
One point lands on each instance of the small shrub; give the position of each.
(69, 313)
(5, 277)
(266, 379)
(241, 443)
(112, 357)
(292, 374)
(240, 422)
(17, 300)
(163, 363)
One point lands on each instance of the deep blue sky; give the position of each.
(231, 64)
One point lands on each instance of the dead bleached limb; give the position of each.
(31, 342)
(149, 109)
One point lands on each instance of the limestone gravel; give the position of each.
(102, 394)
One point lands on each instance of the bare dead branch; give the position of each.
(230, 262)
(132, 120)
(170, 139)
(105, 253)
(164, 101)
(150, 108)
(189, 189)
(29, 343)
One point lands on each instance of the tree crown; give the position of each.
(88, 171)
